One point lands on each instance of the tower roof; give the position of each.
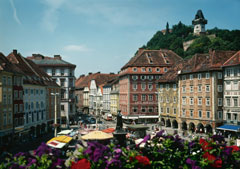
(199, 18)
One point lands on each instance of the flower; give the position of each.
(234, 148)
(192, 163)
(217, 163)
(143, 160)
(81, 164)
(205, 144)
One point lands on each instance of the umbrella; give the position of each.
(97, 135)
(109, 130)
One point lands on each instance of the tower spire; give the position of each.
(199, 23)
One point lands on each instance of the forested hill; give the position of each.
(173, 39)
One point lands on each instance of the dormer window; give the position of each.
(150, 69)
(165, 69)
(167, 61)
(134, 69)
(157, 69)
(143, 69)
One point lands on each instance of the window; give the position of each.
(174, 99)
(174, 87)
(135, 97)
(199, 88)
(219, 75)
(150, 69)
(184, 100)
(4, 80)
(4, 99)
(200, 113)
(235, 117)
(167, 99)
(15, 108)
(32, 106)
(161, 99)
(228, 85)
(62, 72)
(235, 85)
(220, 114)
(161, 110)
(134, 69)
(235, 72)
(167, 86)
(184, 89)
(62, 82)
(20, 95)
(219, 88)
(191, 77)
(191, 113)
(143, 97)
(143, 86)
(207, 88)
(207, 101)
(15, 94)
(184, 77)
(199, 101)
(143, 69)
(134, 86)
(157, 69)
(31, 91)
(208, 114)
(26, 106)
(150, 77)
(150, 109)
(135, 109)
(220, 101)
(4, 119)
(62, 107)
(26, 91)
(199, 76)
(165, 69)
(228, 72)
(183, 112)
(9, 81)
(143, 77)
(174, 110)
(9, 99)
(150, 86)
(134, 77)
(207, 75)
(191, 88)
(228, 116)
(21, 108)
(167, 110)
(143, 109)
(191, 101)
(53, 72)
(228, 101)
(150, 97)
(235, 101)
(161, 87)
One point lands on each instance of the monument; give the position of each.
(120, 134)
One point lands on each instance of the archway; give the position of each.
(200, 128)
(175, 124)
(162, 122)
(168, 123)
(184, 125)
(209, 128)
(192, 127)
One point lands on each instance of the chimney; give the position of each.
(38, 56)
(58, 57)
(140, 50)
(112, 73)
(89, 73)
(98, 72)
(82, 75)
(15, 51)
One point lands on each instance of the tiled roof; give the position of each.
(33, 74)
(233, 61)
(100, 79)
(151, 58)
(111, 82)
(49, 61)
(207, 62)
(172, 74)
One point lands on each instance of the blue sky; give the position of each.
(100, 35)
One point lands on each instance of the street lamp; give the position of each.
(159, 110)
(55, 118)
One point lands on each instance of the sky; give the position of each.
(100, 35)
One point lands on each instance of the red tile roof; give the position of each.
(152, 58)
(33, 73)
(100, 79)
(207, 62)
(233, 61)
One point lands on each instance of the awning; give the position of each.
(65, 132)
(62, 139)
(235, 128)
(148, 117)
(130, 117)
(56, 144)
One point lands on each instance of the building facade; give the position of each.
(231, 108)
(201, 92)
(63, 73)
(114, 98)
(138, 83)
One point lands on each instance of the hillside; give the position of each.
(214, 39)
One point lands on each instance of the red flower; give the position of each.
(234, 148)
(205, 144)
(210, 157)
(217, 163)
(81, 164)
(143, 160)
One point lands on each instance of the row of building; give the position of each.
(29, 93)
(197, 94)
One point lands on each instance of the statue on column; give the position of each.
(119, 121)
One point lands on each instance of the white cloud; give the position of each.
(76, 48)
(50, 15)
(15, 16)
